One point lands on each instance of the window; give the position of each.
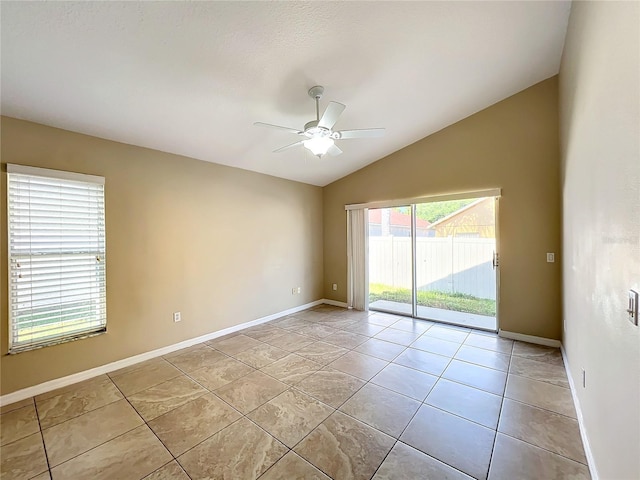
(57, 288)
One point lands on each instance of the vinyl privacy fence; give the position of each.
(445, 264)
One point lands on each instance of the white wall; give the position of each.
(600, 131)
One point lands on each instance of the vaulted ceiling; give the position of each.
(192, 77)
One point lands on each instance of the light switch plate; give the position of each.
(632, 309)
(551, 257)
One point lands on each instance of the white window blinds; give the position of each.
(57, 287)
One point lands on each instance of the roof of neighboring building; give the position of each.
(458, 212)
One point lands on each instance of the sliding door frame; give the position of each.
(496, 193)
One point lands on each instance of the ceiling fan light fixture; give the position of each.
(319, 145)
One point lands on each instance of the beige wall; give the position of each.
(600, 131)
(512, 145)
(221, 245)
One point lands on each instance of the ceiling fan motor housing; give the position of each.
(311, 130)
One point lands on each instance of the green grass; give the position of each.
(459, 302)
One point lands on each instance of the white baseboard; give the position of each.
(549, 342)
(335, 303)
(125, 362)
(583, 433)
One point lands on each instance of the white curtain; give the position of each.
(357, 281)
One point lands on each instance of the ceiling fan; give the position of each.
(319, 133)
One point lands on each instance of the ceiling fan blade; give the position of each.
(331, 115)
(363, 133)
(334, 151)
(269, 125)
(287, 147)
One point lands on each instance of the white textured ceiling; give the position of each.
(191, 78)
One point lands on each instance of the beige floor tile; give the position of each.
(485, 358)
(80, 434)
(380, 349)
(24, 458)
(222, 373)
(436, 345)
(542, 428)
(325, 309)
(484, 378)
(223, 337)
(18, 424)
(235, 344)
(450, 333)
(543, 371)
(16, 405)
(321, 352)
(249, 392)
(292, 369)
(453, 440)
(293, 467)
(412, 325)
(171, 471)
(140, 379)
(406, 463)
(182, 351)
(365, 328)
(331, 320)
(163, 398)
(359, 365)
(345, 448)
(42, 476)
(540, 394)
(258, 331)
(240, 451)
(73, 402)
(85, 384)
(132, 455)
(330, 386)
(343, 323)
(490, 342)
(539, 353)
(382, 409)
(261, 356)
(186, 426)
(313, 315)
(291, 323)
(513, 458)
(318, 331)
(291, 341)
(265, 335)
(424, 361)
(397, 336)
(404, 380)
(383, 321)
(468, 402)
(196, 358)
(346, 339)
(291, 416)
(145, 363)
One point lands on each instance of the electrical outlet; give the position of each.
(334, 286)
(177, 317)
(551, 257)
(299, 290)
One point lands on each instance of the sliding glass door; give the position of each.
(436, 261)
(391, 260)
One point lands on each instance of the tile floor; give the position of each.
(325, 393)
